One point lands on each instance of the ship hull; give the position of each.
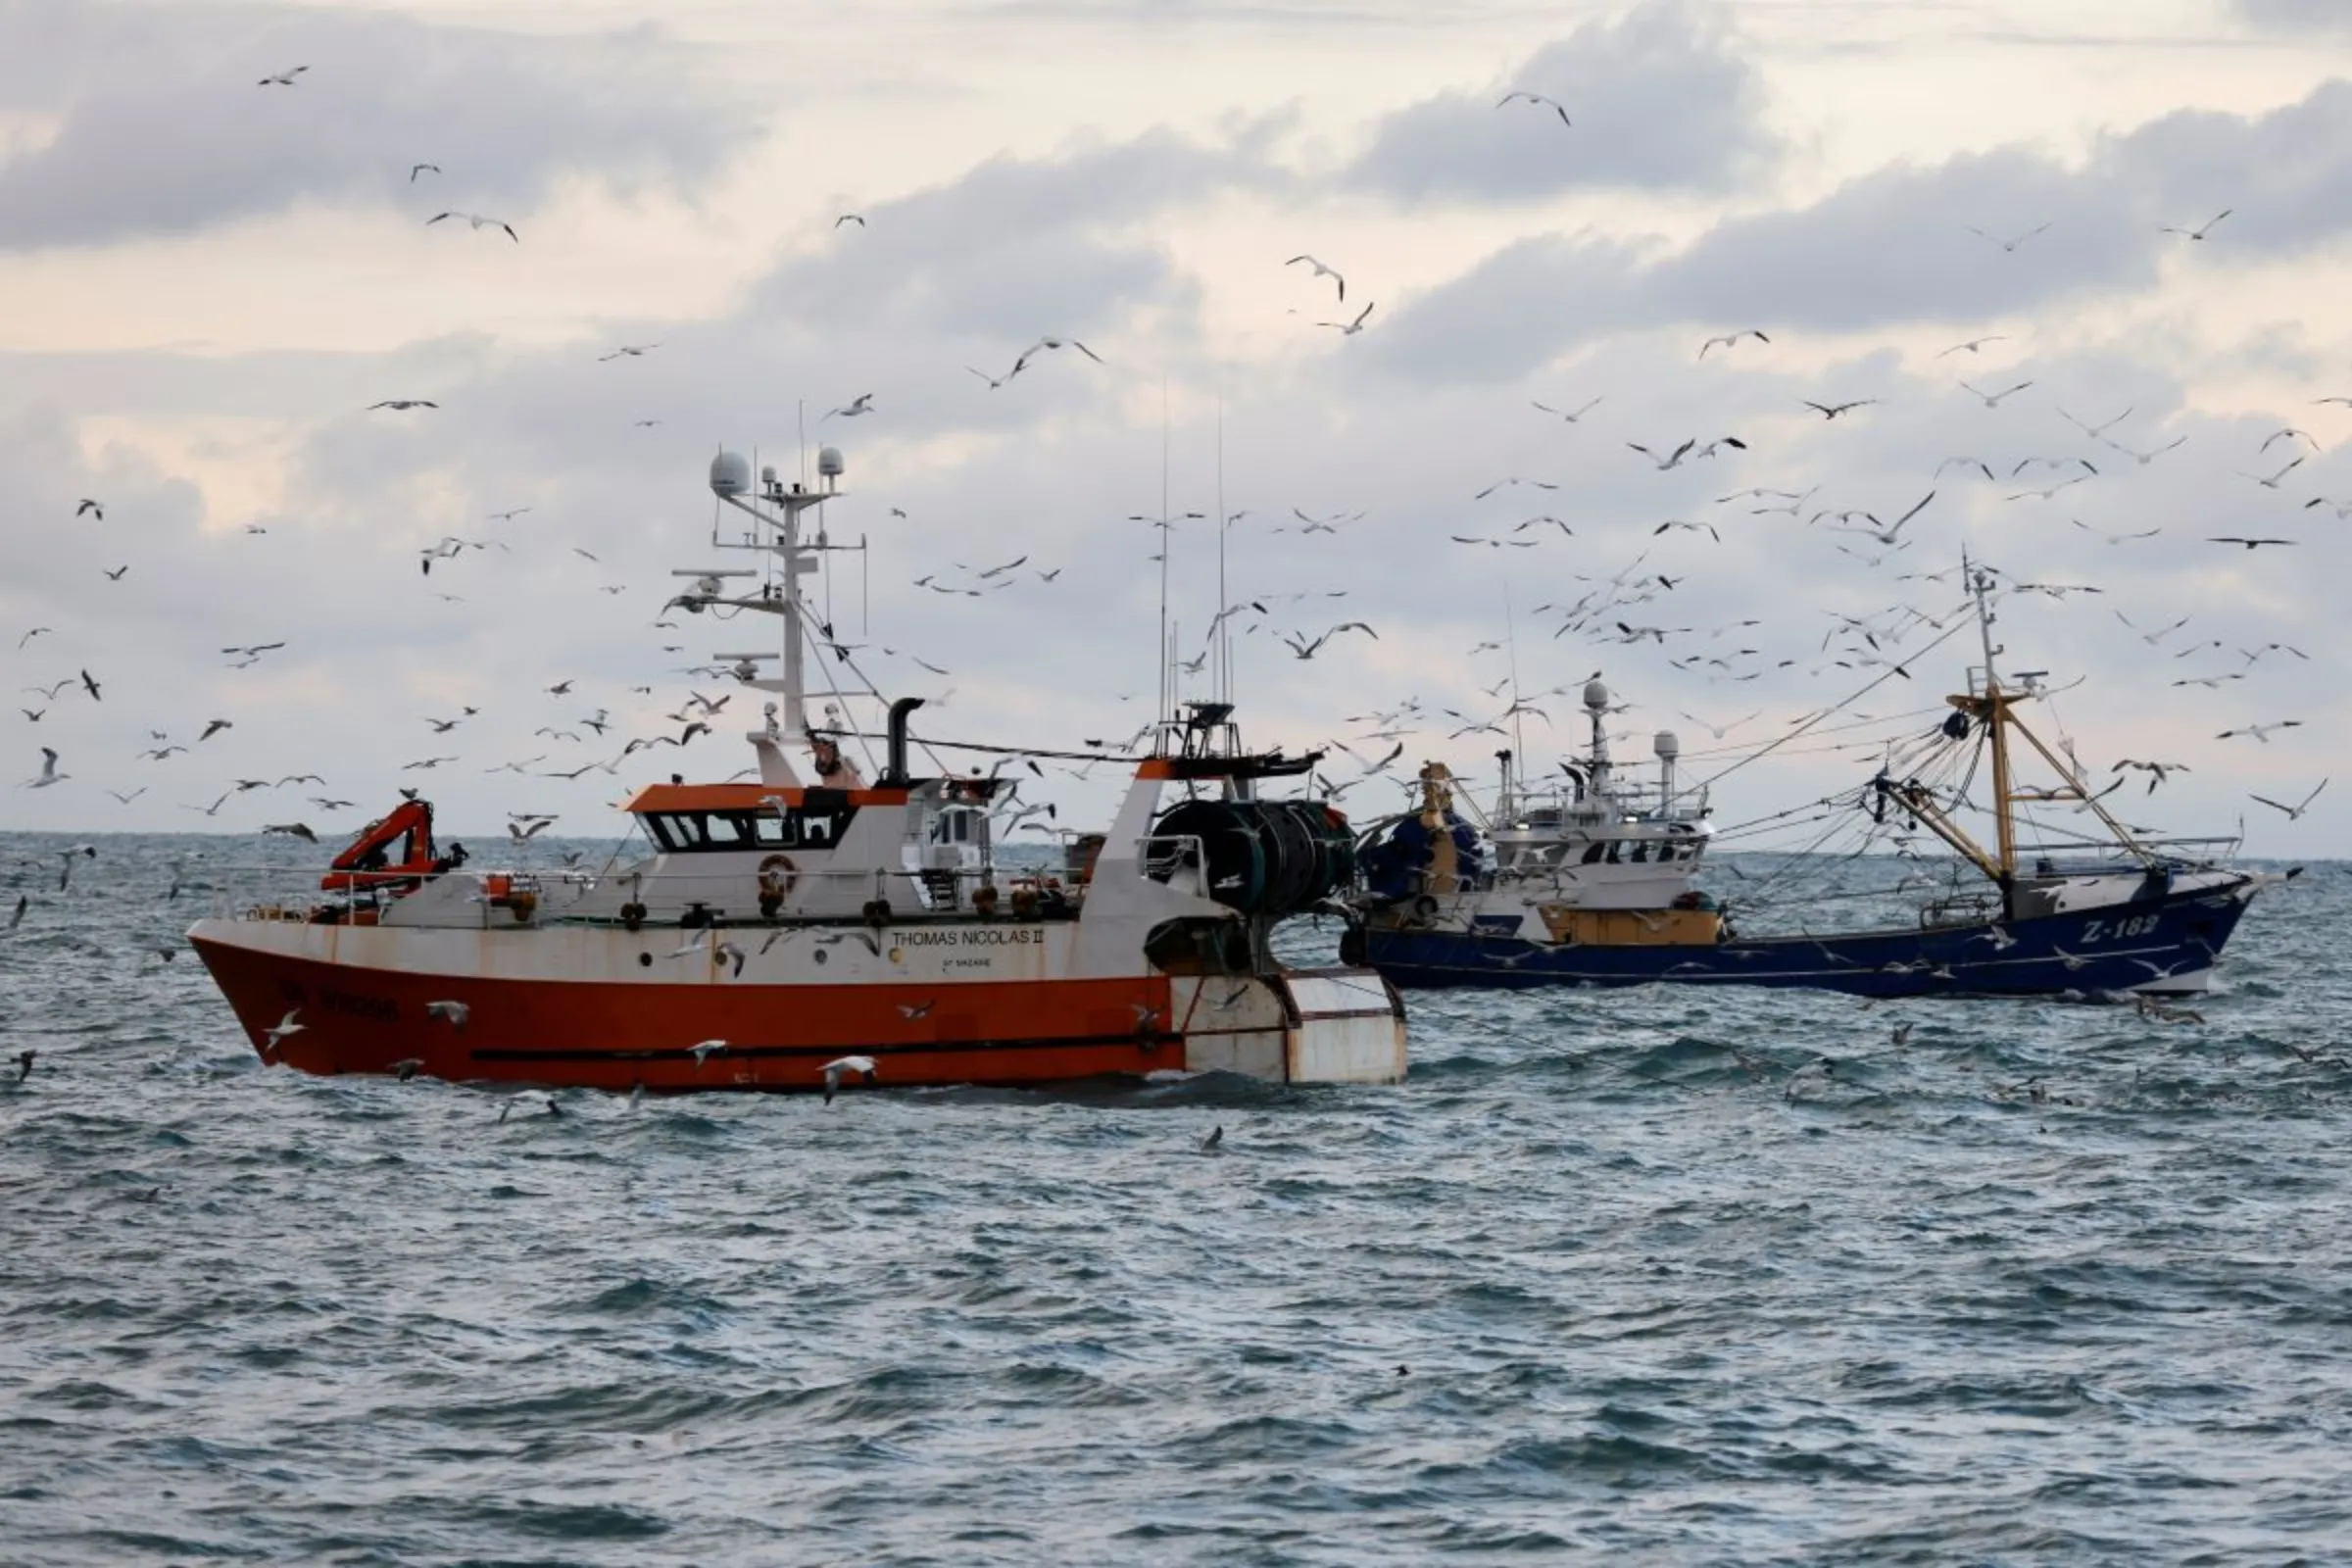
(620, 1026)
(2158, 946)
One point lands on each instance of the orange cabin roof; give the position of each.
(741, 798)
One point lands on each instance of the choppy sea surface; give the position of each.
(2049, 1282)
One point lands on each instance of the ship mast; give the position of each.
(731, 482)
(1993, 710)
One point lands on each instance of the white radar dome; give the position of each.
(1596, 695)
(828, 462)
(730, 474)
(1666, 744)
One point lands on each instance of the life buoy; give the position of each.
(1425, 907)
(777, 875)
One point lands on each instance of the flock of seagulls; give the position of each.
(1621, 607)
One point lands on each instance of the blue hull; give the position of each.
(2157, 945)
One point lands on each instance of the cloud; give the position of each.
(156, 127)
(1660, 98)
(2296, 16)
(1017, 246)
(1894, 247)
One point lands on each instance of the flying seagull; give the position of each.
(1044, 343)
(285, 79)
(1537, 98)
(2294, 813)
(401, 405)
(418, 168)
(2200, 233)
(850, 218)
(1564, 413)
(2007, 244)
(2261, 732)
(627, 351)
(1973, 345)
(1992, 399)
(49, 774)
(1731, 340)
(478, 221)
(863, 402)
(1321, 271)
(1350, 328)
(844, 1066)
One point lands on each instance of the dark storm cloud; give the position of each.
(1661, 97)
(1893, 246)
(158, 126)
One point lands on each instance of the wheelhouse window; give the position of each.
(817, 826)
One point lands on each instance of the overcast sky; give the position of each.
(209, 281)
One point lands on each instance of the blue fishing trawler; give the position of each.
(1594, 880)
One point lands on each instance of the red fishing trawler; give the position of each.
(818, 928)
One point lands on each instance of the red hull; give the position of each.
(617, 1036)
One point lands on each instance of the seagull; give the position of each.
(850, 218)
(2250, 544)
(478, 221)
(1044, 343)
(1304, 649)
(1209, 1142)
(2271, 483)
(1992, 399)
(211, 728)
(2288, 434)
(993, 381)
(285, 79)
(49, 774)
(400, 405)
(2095, 431)
(2045, 495)
(2114, 538)
(1973, 345)
(1321, 271)
(2008, 244)
(1831, 411)
(1978, 464)
(916, 1010)
(89, 685)
(844, 1066)
(626, 351)
(705, 1051)
(418, 168)
(292, 830)
(1348, 328)
(25, 1062)
(1731, 340)
(2294, 813)
(2144, 458)
(454, 1013)
(405, 1068)
(1538, 99)
(863, 402)
(2261, 732)
(276, 1036)
(2198, 233)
